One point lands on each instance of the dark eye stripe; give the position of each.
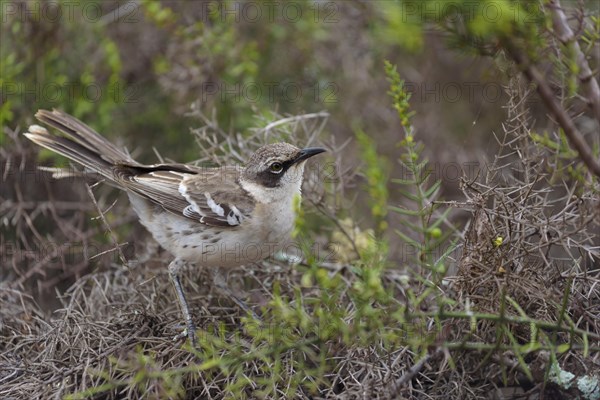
(269, 178)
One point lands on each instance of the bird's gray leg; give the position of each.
(175, 268)
(221, 284)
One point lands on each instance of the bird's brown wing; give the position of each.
(209, 196)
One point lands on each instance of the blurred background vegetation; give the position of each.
(132, 70)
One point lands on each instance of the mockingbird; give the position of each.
(207, 217)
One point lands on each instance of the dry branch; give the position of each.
(561, 115)
(567, 37)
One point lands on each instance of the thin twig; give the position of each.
(412, 372)
(295, 118)
(111, 233)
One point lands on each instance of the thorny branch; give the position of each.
(567, 37)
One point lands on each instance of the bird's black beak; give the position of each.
(307, 153)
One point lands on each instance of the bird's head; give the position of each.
(275, 171)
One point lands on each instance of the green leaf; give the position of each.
(563, 348)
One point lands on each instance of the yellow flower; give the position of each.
(498, 241)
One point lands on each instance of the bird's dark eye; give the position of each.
(276, 167)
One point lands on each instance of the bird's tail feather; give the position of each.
(82, 144)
